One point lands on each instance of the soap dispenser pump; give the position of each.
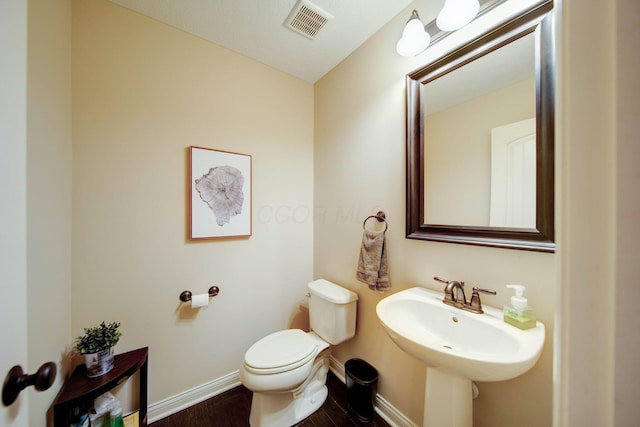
(519, 314)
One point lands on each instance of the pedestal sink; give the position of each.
(458, 347)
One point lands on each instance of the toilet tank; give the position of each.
(332, 311)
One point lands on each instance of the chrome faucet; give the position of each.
(454, 296)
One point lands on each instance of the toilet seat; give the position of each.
(280, 352)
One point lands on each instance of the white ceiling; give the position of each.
(254, 28)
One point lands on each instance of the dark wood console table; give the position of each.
(79, 389)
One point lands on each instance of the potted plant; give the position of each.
(97, 347)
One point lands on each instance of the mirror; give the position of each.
(480, 140)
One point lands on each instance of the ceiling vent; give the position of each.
(307, 19)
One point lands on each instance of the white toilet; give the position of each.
(287, 370)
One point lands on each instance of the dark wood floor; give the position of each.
(231, 409)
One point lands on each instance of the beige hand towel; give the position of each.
(372, 265)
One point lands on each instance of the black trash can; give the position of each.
(362, 381)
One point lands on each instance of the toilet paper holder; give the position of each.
(185, 296)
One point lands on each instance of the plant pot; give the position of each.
(99, 363)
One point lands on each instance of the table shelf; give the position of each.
(80, 390)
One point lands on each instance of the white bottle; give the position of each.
(519, 314)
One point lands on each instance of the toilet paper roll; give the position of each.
(200, 300)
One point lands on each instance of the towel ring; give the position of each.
(380, 217)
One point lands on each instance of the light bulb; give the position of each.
(456, 14)
(415, 38)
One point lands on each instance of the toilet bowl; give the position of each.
(287, 370)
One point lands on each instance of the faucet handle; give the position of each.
(475, 304)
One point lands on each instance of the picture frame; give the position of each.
(220, 186)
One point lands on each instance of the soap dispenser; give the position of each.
(519, 314)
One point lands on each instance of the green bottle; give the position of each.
(116, 418)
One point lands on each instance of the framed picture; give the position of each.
(220, 194)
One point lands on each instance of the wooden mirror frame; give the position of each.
(540, 238)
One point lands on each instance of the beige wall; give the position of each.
(359, 168)
(144, 92)
(49, 173)
(627, 176)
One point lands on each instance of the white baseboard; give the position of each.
(180, 401)
(391, 415)
(171, 405)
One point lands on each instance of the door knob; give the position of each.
(16, 381)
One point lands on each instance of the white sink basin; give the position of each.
(479, 347)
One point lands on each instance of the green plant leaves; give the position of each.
(98, 338)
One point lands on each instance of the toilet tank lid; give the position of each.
(332, 292)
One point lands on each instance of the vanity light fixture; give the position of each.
(454, 15)
(415, 37)
(457, 13)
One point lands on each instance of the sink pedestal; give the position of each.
(448, 400)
